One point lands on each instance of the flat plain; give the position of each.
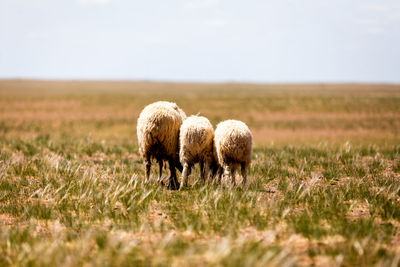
(324, 184)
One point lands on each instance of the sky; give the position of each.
(201, 40)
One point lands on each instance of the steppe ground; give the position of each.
(324, 184)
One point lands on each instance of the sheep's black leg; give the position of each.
(202, 172)
(179, 166)
(173, 183)
(244, 173)
(209, 174)
(213, 172)
(147, 163)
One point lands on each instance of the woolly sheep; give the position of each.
(196, 145)
(233, 141)
(158, 137)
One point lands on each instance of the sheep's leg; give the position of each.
(213, 172)
(209, 173)
(185, 174)
(223, 172)
(244, 174)
(233, 173)
(202, 172)
(173, 183)
(226, 173)
(147, 163)
(160, 168)
(179, 166)
(219, 173)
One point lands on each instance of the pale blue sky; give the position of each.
(208, 40)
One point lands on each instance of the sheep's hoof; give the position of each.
(160, 179)
(173, 185)
(182, 187)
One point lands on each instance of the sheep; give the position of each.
(158, 137)
(196, 145)
(233, 141)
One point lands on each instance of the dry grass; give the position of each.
(324, 185)
(275, 113)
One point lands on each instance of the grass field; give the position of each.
(324, 184)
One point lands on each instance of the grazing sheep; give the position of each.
(233, 141)
(196, 141)
(158, 137)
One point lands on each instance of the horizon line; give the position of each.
(351, 82)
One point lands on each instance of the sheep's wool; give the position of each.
(233, 141)
(196, 140)
(158, 130)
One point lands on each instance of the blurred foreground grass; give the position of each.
(324, 186)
